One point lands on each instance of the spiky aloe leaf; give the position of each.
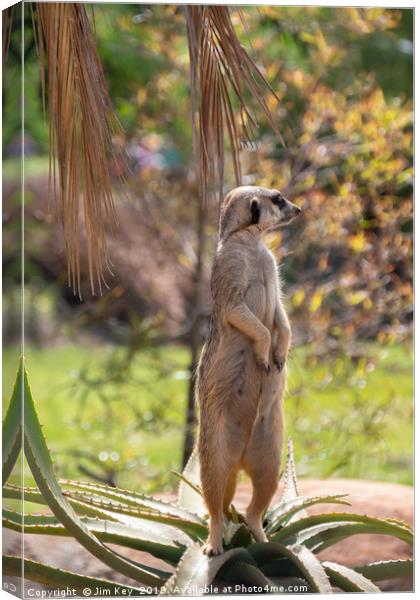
(157, 541)
(281, 571)
(288, 533)
(32, 494)
(28, 520)
(235, 514)
(184, 480)
(263, 553)
(290, 497)
(57, 578)
(12, 428)
(230, 529)
(160, 541)
(323, 536)
(189, 492)
(290, 487)
(241, 573)
(39, 461)
(347, 579)
(310, 568)
(196, 570)
(289, 511)
(308, 565)
(15, 492)
(386, 569)
(279, 568)
(122, 497)
(241, 537)
(121, 504)
(124, 513)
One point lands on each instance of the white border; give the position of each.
(360, 3)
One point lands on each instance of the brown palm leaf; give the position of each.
(7, 24)
(81, 128)
(223, 74)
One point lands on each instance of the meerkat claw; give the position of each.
(265, 367)
(279, 362)
(209, 551)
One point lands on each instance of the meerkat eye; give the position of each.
(279, 201)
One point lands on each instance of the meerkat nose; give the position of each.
(298, 210)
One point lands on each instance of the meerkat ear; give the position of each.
(255, 212)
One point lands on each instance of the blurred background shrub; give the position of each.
(117, 368)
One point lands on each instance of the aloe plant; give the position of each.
(97, 515)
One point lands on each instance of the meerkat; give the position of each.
(241, 374)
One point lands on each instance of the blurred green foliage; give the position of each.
(343, 77)
(145, 56)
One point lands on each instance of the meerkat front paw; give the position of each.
(279, 362)
(279, 356)
(263, 365)
(262, 352)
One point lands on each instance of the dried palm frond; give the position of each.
(7, 23)
(222, 73)
(81, 127)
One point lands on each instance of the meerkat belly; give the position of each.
(256, 298)
(270, 305)
(261, 293)
(232, 377)
(271, 290)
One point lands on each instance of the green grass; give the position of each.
(348, 418)
(34, 166)
(353, 418)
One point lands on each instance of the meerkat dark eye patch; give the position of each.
(255, 212)
(279, 201)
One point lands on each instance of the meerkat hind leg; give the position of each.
(229, 494)
(214, 480)
(214, 545)
(230, 491)
(262, 464)
(264, 485)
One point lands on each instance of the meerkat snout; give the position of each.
(289, 212)
(284, 210)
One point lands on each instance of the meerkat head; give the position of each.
(255, 207)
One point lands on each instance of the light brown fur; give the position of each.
(241, 375)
